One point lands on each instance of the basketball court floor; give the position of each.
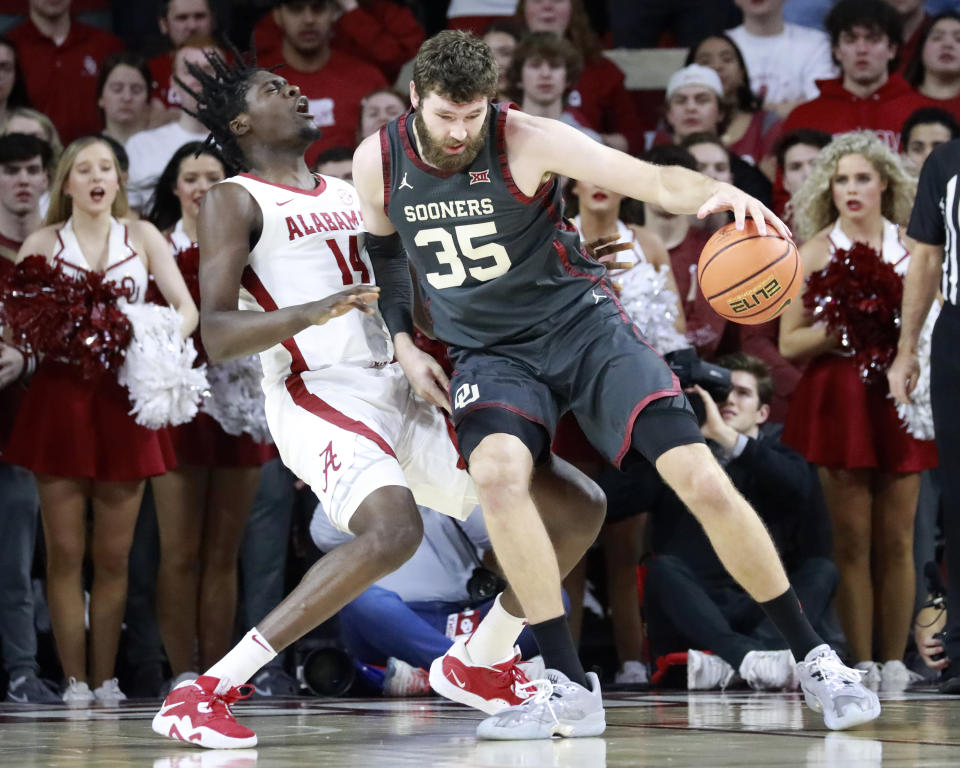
(644, 729)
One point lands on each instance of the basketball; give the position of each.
(748, 277)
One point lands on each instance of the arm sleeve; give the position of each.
(389, 262)
(926, 221)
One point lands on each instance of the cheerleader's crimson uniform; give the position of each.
(202, 442)
(838, 421)
(68, 426)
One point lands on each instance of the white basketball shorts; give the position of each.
(347, 431)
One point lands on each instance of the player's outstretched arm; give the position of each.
(229, 218)
(537, 146)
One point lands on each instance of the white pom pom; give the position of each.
(652, 306)
(917, 416)
(164, 387)
(236, 398)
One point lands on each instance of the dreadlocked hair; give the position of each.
(222, 96)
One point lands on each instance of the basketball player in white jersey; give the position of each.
(341, 413)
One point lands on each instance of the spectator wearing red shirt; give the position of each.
(864, 35)
(380, 32)
(599, 93)
(916, 21)
(179, 20)
(934, 69)
(333, 81)
(61, 60)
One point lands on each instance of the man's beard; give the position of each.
(434, 154)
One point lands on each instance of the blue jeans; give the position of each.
(18, 537)
(378, 625)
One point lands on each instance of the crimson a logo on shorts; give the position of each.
(477, 177)
(329, 462)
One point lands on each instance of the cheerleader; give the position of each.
(76, 435)
(869, 464)
(203, 504)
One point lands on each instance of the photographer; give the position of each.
(690, 601)
(412, 616)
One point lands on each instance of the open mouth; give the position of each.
(854, 205)
(303, 106)
(97, 194)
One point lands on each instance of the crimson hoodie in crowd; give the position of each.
(837, 110)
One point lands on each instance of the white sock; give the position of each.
(494, 638)
(242, 662)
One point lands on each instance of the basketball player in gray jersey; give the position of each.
(469, 190)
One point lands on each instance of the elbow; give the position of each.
(213, 344)
(789, 349)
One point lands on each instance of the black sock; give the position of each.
(787, 615)
(556, 645)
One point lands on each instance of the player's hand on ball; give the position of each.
(605, 248)
(727, 197)
(361, 297)
(425, 375)
(902, 376)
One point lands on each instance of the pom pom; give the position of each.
(857, 296)
(165, 388)
(651, 305)
(236, 397)
(71, 317)
(917, 415)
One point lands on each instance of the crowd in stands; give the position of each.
(825, 110)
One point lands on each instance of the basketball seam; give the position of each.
(767, 266)
(793, 279)
(730, 245)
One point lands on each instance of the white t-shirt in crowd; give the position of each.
(785, 67)
(149, 152)
(481, 8)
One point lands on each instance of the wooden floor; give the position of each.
(662, 729)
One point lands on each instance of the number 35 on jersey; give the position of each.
(457, 255)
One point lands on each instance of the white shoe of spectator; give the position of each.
(870, 670)
(109, 693)
(402, 680)
(77, 694)
(707, 672)
(896, 678)
(769, 670)
(632, 673)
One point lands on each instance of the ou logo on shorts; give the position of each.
(466, 394)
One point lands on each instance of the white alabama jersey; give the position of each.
(311, 246)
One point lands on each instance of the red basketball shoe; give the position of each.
(193, 712)
(489, 689)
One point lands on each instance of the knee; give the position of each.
(501, 467)
(706, 490)
(111, 562)
(393, 540)
(64, 553)
(851, 547)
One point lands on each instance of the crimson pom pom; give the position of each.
(858, 295)
(71, 317)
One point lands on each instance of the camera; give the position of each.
(690, 370)
(484, 585)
